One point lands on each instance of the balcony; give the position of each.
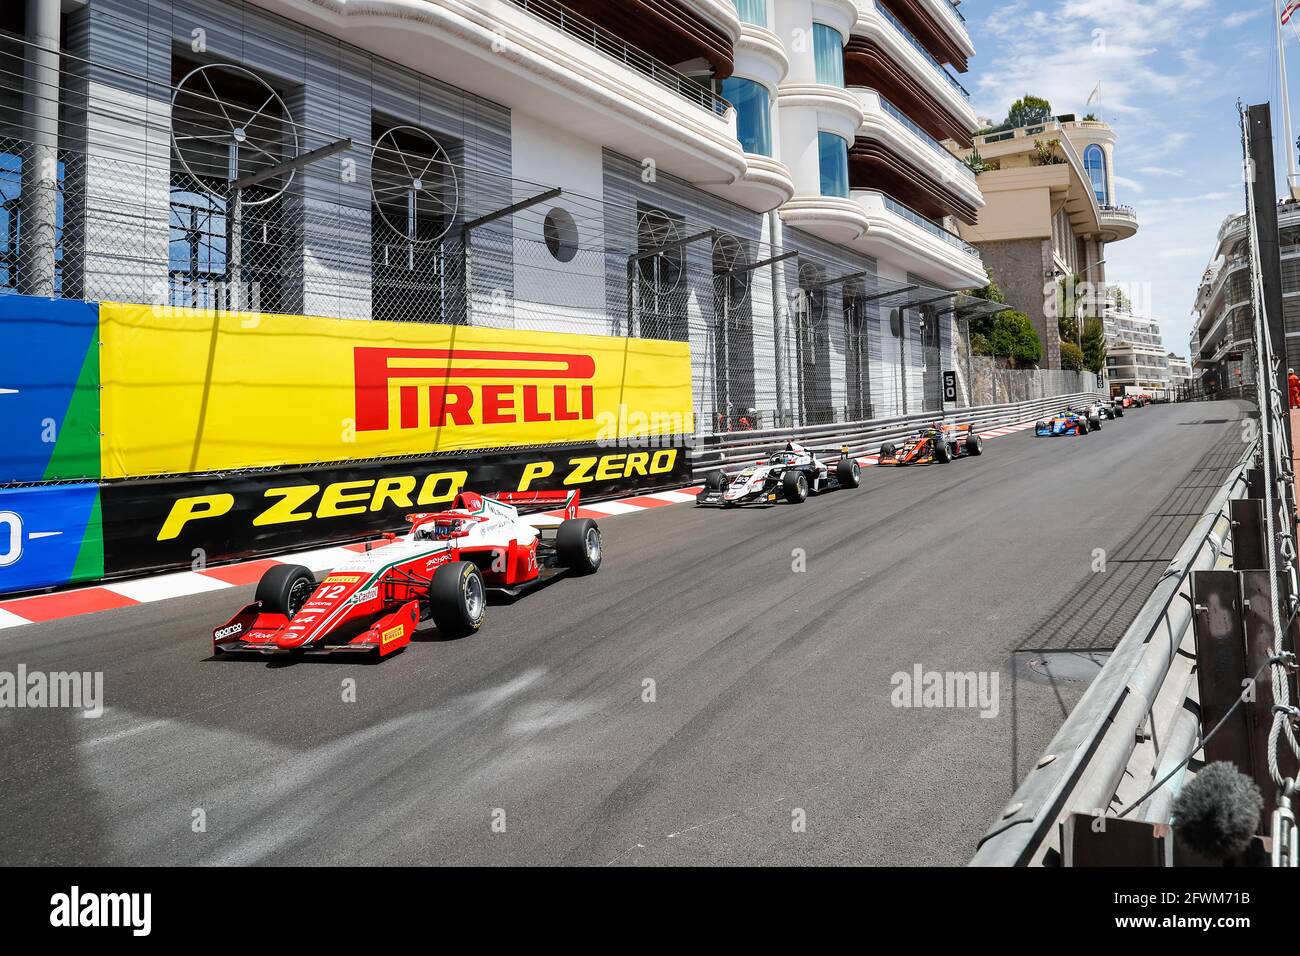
(543, 59)
(902, 236)
(587, 31)
(915, 160)
(929, 57)
(883, 56)
(1117, 221)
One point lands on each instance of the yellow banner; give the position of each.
(190, 390)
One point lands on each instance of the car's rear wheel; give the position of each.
(284, 589)
(888, 450)
(794, 484)
(457, 598)
(577, 543)
(942, 451)
(974, 444)
(1094, 422)
(848, 472)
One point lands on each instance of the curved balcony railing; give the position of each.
(925, 137)
(1118, 209)
(614, 46)
(920, 48)
(933, 228)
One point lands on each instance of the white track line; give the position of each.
(165, 586)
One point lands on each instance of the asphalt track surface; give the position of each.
(772, 687)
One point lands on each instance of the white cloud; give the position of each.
(1234, 20)
(1159, 171)
(1131, 184)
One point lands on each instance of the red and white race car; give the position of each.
(442, 569)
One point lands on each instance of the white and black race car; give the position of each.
(791, 473)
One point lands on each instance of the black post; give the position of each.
(1260, 125)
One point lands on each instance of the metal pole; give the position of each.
(778, 324)
(235, 251)
(40, 171)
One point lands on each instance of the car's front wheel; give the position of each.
(942, 451)
(457, 598)
(284, 589)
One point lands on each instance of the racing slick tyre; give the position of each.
(1094, 422)
(457, 598)
(887, 450)
(942, 451)
(284, 589)
(974, 444)
(716, 481)
(848, 472)
(1083, 426)
(577, 542)
(794, 485)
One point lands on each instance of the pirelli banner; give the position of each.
(207, 519)
(190, 391)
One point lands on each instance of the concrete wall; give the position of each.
(990, 384)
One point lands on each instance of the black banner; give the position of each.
(199, 520)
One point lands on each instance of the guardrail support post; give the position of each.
(1259, 712)
(1221, 665)
(1247, 516)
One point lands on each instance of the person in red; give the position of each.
(1293, 384)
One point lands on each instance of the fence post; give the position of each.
(40, 170)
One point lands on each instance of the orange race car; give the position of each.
(940, 442)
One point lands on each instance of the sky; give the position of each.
(1171, 72)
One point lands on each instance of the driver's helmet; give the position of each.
(441, 529)
(783, 458)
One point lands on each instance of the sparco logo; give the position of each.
(74, 909)
(426, 397)
(228, 630)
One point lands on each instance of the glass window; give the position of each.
(1094, 161)
(833, 153)
(753, 114)
(828, 51)
(752, 11)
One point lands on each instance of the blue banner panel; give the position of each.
(49, 535)
(49, 389)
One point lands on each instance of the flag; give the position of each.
(1291, 7)
(1097, 91)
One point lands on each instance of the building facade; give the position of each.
(1223, 352)
(771, 181)
(1180, 376)
(1136, 359)
(1050, 213)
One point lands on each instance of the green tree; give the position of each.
(1094, 345)
(1014, 338)
(1029, 110)
(1071, 357)
(982, 325)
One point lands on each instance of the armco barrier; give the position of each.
(1088, 760)
(738, 449)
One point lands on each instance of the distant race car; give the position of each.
(938, 443)
(443, 569)
(791, 473)
(1111, 408)
(1068, 422)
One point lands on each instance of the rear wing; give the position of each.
(531, 502)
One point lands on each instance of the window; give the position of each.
(561, 234)
(753, 114)
(828, 51)
(1094, 161)
(833, 154)
(752, 11)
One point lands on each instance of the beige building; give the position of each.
(1049, 212)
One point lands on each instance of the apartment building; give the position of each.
(771, 181)
(1180, 376)
(1223, 352)
(1136, 358)
(1050, 213)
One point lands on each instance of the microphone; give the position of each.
(1217, 813)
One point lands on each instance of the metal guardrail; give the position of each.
(588, 31)
(738, 449)
(1084, 765)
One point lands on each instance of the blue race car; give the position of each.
(1069, 422)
